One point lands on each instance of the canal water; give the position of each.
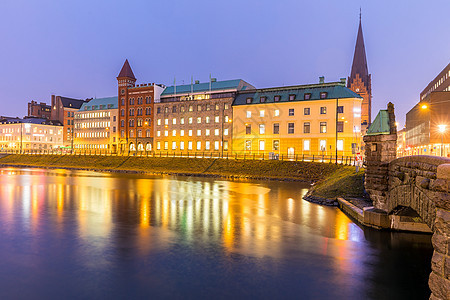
(86, 235)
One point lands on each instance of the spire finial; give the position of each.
(360, 14)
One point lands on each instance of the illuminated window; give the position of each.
(276, 145)
(199, 132)
(340, 126)
(225, 131)
(323, 127)
(276, 113)
(306, 145)
(307, 111)
(182, 132)
(207, 132)
(249, 114)
(248, 129)
(174, 121)
(216, 131)
(174, 132)
(248, 145)
(199, 145)
(322, 145)
(262, 129)
(216, 119)
(207, 145)
(306, 127)
(190, 132)
(261, 113)
(340, 145)
(323, 110)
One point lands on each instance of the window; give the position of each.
(322, 145)
(199, 120)
(249, 114)
(323, 95)
(207, 132)
(208, 107)
(307, 96)
(190, 120)
(249, 100)
(340, 145)
(323, 127)
(291, 97)
(166, 109)
(181, 145)
(216, 119)
(191, 108)
(277, 98)
(158, 122)
(248, 129)
(132, 112)
(199, 145)
(217, 106)
(158, 110)
(123, 101)
(216, 145)
(225, 131)
(147, 133)
(182, 108)
(207, 145)
(174, 109)
(182, 121)
(262, 129)
(166, 132)
(262, 99)
(226, 106)
(114, 118)
(174, 132)
(262, 145)
(306, 145)
(216, 131)
(199, 107)
(306, 111)
(190, 132)
(248, 145)
(122, 133)
(276, 113)
(276, 145)
(290, 128)
(122, 112)
(226, 119)
(199, 132)
(166, 121)
(158, 133)
(306, 127)
(148, 99)
(276, 128)
(166, 145)
(158, 145)
(225, 145)
(323, 110)
(340, 126)
(207, 120)
(190, 145)
(340, 109)
(261, 113)
(291, 111)
(174, 145)
(174, 121)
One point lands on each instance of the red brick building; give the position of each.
(360, 81)
(63, 110)
(39, 110)
(136, 111)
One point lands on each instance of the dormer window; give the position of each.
(291, 97)
(262, 99)
(323, 95)
(277, 98)
(249, 100)
(307, 96)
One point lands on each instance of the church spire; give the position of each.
(359, 65)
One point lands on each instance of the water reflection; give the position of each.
(189, 237)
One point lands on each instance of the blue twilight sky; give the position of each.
(75, 48)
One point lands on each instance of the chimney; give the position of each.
(322, 79)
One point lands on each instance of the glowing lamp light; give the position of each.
(424, 106)
(442, 128)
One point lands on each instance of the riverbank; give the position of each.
(229, 168)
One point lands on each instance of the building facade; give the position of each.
(135, 104)
(360, 81)
(63, 110)
(39, 110)
(439, 84)
(298, 120)
(30, 135)
(197, 117)
(95, 126)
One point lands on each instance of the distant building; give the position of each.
(360, 81)
(197, 116)
(30, 135)
(439, 84)
(298, 120)
(63, 110)
(39, 110)
(95, 125)
(401, 142)
(428, 122)
(136, 102)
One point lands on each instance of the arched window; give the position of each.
(122, 123)
(132, 147)
(122, 112)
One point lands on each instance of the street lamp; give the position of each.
(442, 128)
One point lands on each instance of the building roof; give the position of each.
(71, 103)
(359, 65)
(333, 89)
(30, 120)
(126, 71)
(100, 104)
(380, 125)
(236, 84)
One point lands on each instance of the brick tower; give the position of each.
(125, 80)
(360, 81)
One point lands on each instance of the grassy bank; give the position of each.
(274, 169)
(341, 183)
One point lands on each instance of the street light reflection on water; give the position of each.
(168, 236)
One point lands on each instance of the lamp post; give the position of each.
(442, 128)
(337, 118)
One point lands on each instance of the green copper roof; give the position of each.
(301, 93)
(380, 125)
(100, 104)
(236, 84)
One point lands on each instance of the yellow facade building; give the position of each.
(298, 120)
